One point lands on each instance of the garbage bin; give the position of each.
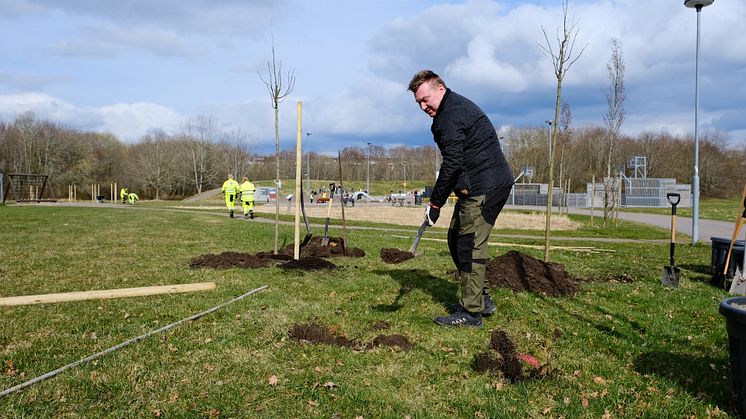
(720, 247)
(734, 311)
(418, 199)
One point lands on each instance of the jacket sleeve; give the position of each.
(450, 139)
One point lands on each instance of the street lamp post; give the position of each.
(308, 165)
(698, 5)
(367, 180)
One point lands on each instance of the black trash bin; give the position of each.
(734, 311)
(720, 247)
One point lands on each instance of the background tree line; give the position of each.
(199, 156)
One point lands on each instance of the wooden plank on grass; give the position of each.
(105, 294)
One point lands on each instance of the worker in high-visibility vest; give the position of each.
(230, 190)
(123, 195)
(132, 197)
(247, 197)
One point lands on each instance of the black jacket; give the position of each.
(472, 158)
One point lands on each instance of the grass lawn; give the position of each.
(617, 349)
(710, 209)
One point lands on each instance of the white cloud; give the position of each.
(128, 121)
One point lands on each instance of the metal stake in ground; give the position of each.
(672, 274)
(325, 240)
(342, 199)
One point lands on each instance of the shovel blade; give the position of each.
(325, 241)
(306, 240)
(738, 286)
(671, 276)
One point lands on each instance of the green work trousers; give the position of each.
(471, 224)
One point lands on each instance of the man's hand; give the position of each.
(432, 213)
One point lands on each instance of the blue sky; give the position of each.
(129, 67)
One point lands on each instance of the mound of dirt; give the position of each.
(390, 255)
(487, 361)
(514, 366)
(228, 260)
(521, 272)
(393, 340)
(511, 365)
(308, 263)
(333, 249)
(314, 333)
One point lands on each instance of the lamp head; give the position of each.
(697, 3)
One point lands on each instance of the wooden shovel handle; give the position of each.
(739, 223)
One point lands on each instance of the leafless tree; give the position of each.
(200, 134)
(155, 162)
(279, 86)
(613, 120)
(562, 59)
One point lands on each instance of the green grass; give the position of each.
(626, 349)
(709, 208)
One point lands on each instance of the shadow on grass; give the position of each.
(704, 377)
(442, 291)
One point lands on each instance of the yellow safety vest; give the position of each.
(230, 186)
(247, 191)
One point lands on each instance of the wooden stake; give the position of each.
(298, 180)
(341, 197)
(105, 294)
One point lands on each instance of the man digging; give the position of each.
(475, 169)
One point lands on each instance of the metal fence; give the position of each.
(635, 192)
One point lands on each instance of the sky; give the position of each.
(133, 67)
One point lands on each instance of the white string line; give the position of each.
(123, 344)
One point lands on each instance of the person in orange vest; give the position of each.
(247, 197)
(230, 190)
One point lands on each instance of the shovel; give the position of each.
(305, 220)
(672, 274)
(325, 240)
(417, 238)
(738, 285)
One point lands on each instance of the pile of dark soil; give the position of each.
(314, 333)
(515, 367)
(521, 272)
(308, 263)
(333, 249)
(390, 255)
(227, 260)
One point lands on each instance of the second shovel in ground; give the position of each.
(325, 240)
(672, 274)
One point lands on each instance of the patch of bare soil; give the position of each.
(623, 278)
(521, 272)
(333, 249)
(313, 333)
(390, 255)
(393, 340)
(504, 357)
(228, 260)
(308, 263)
(381, 325)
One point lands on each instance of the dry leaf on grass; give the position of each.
(273, 380)
(599, 380)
